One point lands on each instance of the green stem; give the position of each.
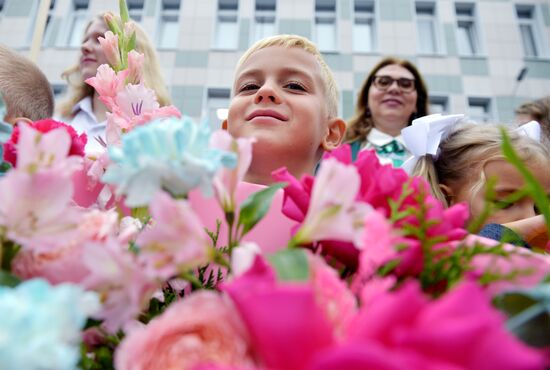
(195, 282)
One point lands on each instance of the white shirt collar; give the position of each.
(85, 105)
(380, 138)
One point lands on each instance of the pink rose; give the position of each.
(201, 329)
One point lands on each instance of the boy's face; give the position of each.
(279, 98)
(508, 181)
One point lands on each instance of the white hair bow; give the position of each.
(530, 129)
(425, 134)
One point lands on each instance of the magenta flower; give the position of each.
(460, 330)
(285, 321)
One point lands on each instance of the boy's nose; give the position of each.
(266, 93)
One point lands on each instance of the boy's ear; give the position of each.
(448, 192)
(13, 121)
(335, 134)
(224, 124)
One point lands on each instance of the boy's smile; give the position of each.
(266, 115)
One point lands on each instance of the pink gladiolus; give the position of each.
(202, 329)
(333, 213)
(135, 67)
(109, 46)
(122, 283)
(135, 100)
(460, 330)
(226, 180)
(108, 83)
(286, 324)
(176, 242)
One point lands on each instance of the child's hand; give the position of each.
(533, 230)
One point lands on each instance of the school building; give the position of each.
(482, 57)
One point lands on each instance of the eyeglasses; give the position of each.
(384, 82)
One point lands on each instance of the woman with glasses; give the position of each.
(392, 96)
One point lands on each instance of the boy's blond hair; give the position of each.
(24, 88)
(467, 149)
(295, 41)
(152, 74)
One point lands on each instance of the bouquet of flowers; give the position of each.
(157, 255)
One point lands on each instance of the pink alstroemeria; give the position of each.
(120, 280)
(176, 242)
(108, 83)
(333, 213)
(109, 46)
(226, 180)
(38, 151)
(35, 209)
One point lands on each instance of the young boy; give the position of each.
(285, 96)
(26, 91)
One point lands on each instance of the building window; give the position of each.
(363, 26)
(167, 31)
(47, 30)
(479, 109)
(528, 30)
(439, 104)
(426, 27)
(325, 24)
(217, 106)
(135, 9)
(227, 30)
(78, 23)
(468, 41)
(59, 90)
(264, 19)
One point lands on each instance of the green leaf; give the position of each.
(255, 207)
(131, 45)
(290, 264)
(124, 15)
(529, 314)
(533, 187)
(9, 280)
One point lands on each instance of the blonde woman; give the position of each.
(83, 109)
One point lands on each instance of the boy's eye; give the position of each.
(295, 86)
(248, 87)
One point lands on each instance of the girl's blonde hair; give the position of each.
(295, 41)
(152, 75)
(467, 149)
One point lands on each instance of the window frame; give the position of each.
(163, 12)
(478, 101)
(326, 15)
(534, 21)
(434, 18)
(367, 16)
(264, 13)
(474, 30)
(233, 13)
(218, 95)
